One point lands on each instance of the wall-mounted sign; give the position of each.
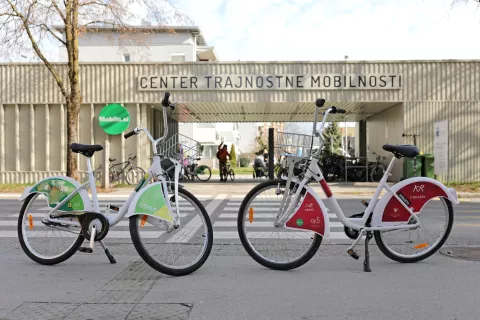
(270, 82)
(440, 147)
(114, 119)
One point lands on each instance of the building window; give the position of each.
(126, 57)
(177, 57)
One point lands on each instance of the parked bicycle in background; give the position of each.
(131, 173)
(376, 168)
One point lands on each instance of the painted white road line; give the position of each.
(262, 224)
(187, 231)
(259, 215)
(111, 234)
(274, 235)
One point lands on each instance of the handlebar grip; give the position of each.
(165, 101)
(341, 111)
(128, 135)
(134, 157)
(319, 103)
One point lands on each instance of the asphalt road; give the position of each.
(231, 285)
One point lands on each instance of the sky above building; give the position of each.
(270, 30)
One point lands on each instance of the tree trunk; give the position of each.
(73, 110)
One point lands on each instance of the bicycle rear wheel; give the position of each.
(273, 247)
(134, 175)
(203, 173)
(377, 173)
(46, 243)
(412, 245)
(176, 252)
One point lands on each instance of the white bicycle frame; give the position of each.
(315, 173)
(155, 170)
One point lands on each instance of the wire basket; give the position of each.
(295, 144)
(180, 147)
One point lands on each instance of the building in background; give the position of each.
(162, 44)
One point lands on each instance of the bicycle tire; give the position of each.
(390, 254)
(377, 177)
(98, 175)
(152, 262)
(252, 252)
(204, 168)
(127, 176)
(231, 173)
(56, 260)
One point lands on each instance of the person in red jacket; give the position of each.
(222, 155)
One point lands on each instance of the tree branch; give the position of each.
(47, 28)
(59, 11)
(37, 49)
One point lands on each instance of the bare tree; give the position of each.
(26, 24)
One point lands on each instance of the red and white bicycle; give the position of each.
(281, 223)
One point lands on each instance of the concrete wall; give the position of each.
(386, 127)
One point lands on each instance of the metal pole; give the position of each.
(271, 149)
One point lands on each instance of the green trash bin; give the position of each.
(428, 168)
(408, 166)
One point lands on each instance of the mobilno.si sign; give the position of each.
(270, 82)
(114, 119)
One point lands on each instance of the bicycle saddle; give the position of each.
(406, 150)
(85, 149)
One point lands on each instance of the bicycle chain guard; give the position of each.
(102, 230)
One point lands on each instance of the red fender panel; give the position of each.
(414, 195)
(309, 216)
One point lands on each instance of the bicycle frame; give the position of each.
(314, 173)
(155, 170)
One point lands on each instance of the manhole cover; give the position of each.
(467, 253)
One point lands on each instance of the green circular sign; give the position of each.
(114, 119)
(299, 222)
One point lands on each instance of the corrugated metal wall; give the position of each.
(422, 81)
(464, 134)
(32, 117)
(32, 145)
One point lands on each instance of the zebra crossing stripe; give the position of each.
(276, 235)
(187, 231)
(260, 215)
(111, 234)
(262, 224)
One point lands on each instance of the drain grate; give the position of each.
(465, 253)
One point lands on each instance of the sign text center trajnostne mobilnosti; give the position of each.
(270, 82)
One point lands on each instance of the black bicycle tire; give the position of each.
(373, 170)
(131, 169)
(317, 241)
(231, 173)
(137, 243)
(32, 256)
(381, 245)
(209, 176)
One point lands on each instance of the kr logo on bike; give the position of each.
(309, 216)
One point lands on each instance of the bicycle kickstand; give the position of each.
(366, 262)
(109, 255)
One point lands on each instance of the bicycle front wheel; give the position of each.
(377, 173)
(134, 175)
(231, 173)
(273, 247)
(43, 242)
(176, 252)
(412, 245)
(203, 173)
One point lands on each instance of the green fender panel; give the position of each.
(56, 189)
(151, 201)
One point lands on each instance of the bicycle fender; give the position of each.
(415, 193)
(151, 201)
(56, 189)
(311, 215)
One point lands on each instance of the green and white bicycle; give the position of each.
(169, 227)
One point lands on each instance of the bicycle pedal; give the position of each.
(85, 250)
(114, 208)
(353, 254)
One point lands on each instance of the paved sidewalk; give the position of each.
(231, 285)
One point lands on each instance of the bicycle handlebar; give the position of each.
(166, 101)
(131, 133)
